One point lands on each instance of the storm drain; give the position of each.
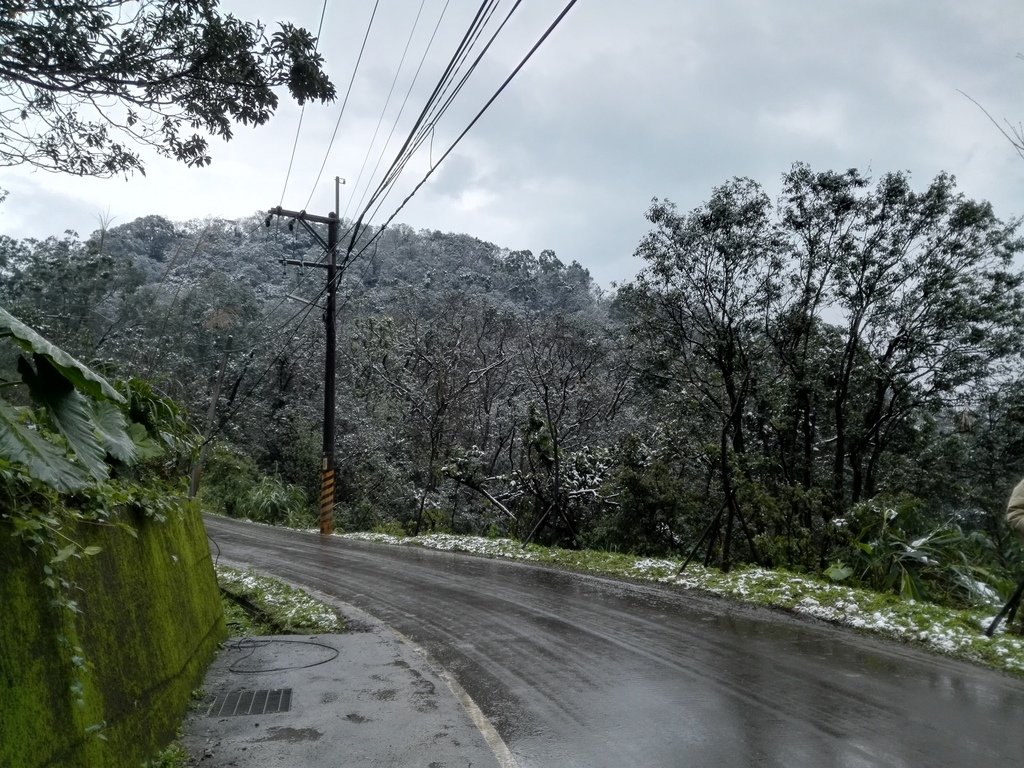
(243, 702)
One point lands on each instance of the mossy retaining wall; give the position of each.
(149, 623)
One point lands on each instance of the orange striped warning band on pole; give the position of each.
(327, 501)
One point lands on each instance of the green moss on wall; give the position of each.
(35, 700)
(149, 623)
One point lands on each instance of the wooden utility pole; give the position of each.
(327, 494)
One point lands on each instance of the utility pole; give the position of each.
(327, 494)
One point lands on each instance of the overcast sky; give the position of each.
(626, 101)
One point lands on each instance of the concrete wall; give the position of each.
(149, 622)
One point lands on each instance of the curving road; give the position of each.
(580, 671)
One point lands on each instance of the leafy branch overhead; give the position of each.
(82, 83)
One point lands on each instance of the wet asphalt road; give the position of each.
(578, 671)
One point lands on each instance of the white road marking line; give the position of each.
(501, 751)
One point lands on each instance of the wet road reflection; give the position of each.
(578, 671)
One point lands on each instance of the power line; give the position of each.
(387, 101)
(401, 110)
(408, 147)
(421, 137)
(344, 104)
(478, 33)
(429, 114)
(427, 117)
(473, 122)
(302, 113)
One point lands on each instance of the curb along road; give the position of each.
(368, 697)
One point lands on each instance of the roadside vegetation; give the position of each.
(255, 604)
(779, 375)
(172, 756)
(827, 386)
(958, 633)
(813, 402)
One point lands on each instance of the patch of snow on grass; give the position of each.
(956, 633)
(287, 604)
(654, 569)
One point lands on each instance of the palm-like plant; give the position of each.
(941, 564)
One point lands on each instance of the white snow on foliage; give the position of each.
(288, 604)
(474, 545)
(957, 633)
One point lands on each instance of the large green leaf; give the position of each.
(81, 376)
(70, 411)
(44, 461)
(145, 446)
(113, 431)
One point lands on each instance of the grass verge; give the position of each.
(259, 605)
(955, 633)
(172, 756)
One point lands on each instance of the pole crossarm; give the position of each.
(304, 218)
(300, 263)
(307, 302)
(302, 215)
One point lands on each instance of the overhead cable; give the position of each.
(302, 113)
(341, 114)
(387, 102)
(423, 134)
(427, 116)
(401, 110)
(473, 122)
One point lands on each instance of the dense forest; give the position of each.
(828, 381)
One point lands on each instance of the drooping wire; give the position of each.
(302, 113)
(281, 328)
(251, 645)
(450, 97)
(473, 122)
(280, 354)
(427, 117)
(341, 114)
(387, 102)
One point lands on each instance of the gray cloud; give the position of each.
(625, 102)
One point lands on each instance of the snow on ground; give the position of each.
(958, 633)
(287, 604)
(474, 545)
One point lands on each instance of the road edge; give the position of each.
(502, 754)
(497, 744)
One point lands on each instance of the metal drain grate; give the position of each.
(243, 702)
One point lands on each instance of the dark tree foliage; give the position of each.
(81, 83)
(830, 381)
(702, 305)
(823, 346)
